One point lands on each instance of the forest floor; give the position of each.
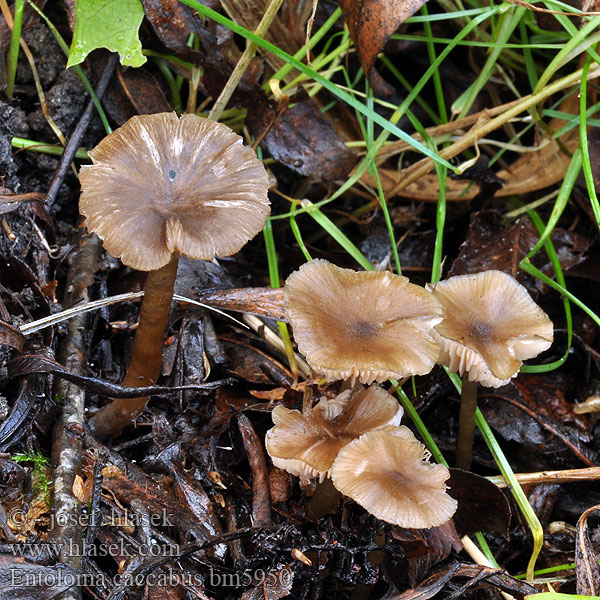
(466, 149)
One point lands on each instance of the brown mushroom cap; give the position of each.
(366, 325)
(307, 444)
(388, 473)
(491, 324)
(162, 184)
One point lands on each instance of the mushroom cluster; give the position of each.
(372, 326)
(357, 440)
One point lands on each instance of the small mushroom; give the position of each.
(307, 444)
(162, 186)
(387, 472)
(366, 325)
(491, 325)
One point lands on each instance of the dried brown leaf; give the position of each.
(587, 569)
(301, 138)
(424, 548)
(481, 505)
(371, 22)
(263, 302)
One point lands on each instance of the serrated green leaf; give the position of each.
(110, 24)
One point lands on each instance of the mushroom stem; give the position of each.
(145, 366)
(466, 424)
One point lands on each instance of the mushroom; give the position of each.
(367, 325)
(491, 325)
(307, 444)
(162, 186)
(387, 471)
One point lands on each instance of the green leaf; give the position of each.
(110, 24)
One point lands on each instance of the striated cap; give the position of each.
(162, 184)
(491, 324)
(365, 325)
(307, 444)
(388, 473)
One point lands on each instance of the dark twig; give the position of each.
(94, 512)
(77, 134)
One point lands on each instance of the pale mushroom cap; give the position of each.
(365, 325)
(162, 184)
(388, 473)
(307, 444)
(491, 324)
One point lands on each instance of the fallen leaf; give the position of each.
(424, 548)
(587, 569)
(263, 302)
(481, 505)
(532, 171)
(371, 22)
(253, 365)
(301, 138)
(173, 22)
(134, 92)
(110, 24)
(494, 243)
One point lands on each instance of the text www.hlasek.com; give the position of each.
(119, 548)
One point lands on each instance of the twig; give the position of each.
(72, 144)
(564, 476)
(66, 449)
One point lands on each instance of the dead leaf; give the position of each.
(302, 138)
(371, 22)
(493, 243)
(262, 302)
(134, 92)
(248, 14)
(173, 22)
(587, 569)
(475, 574)
(261, 501)
(543, 443)
(424, 548)
(9, 336)
(481, 505)
(80, 490)
(532, 171)
(254, 366)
